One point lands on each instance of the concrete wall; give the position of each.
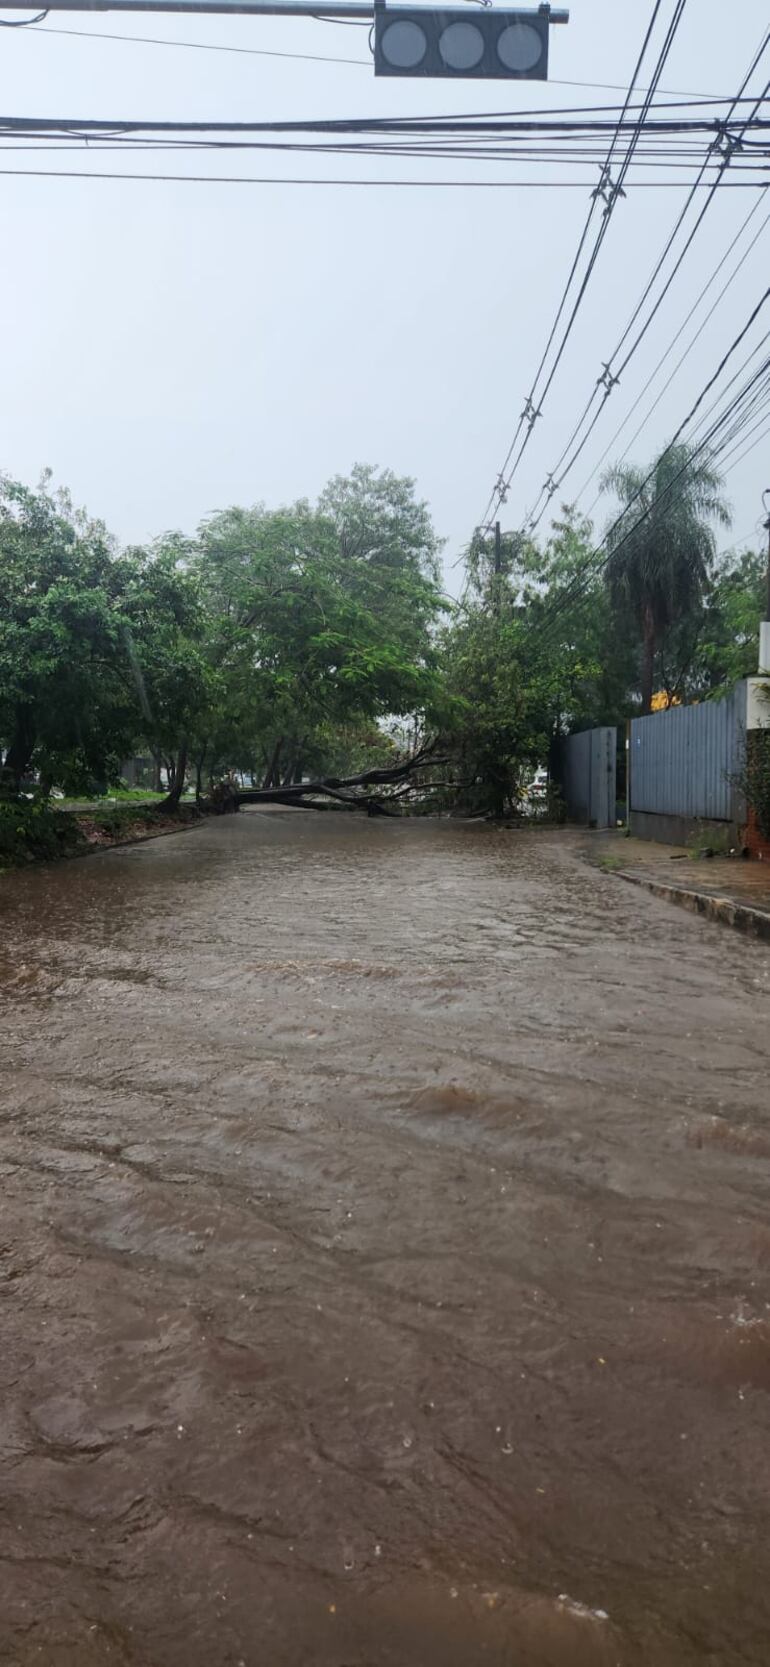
(684, 830)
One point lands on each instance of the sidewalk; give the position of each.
(727, 889)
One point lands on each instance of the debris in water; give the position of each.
(581, 1609)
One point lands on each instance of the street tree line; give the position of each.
(316, 641)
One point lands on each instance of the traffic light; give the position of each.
(486, 44)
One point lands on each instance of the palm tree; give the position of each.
(662, 547)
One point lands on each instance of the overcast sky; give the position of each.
(169, 349)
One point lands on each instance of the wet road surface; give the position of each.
(384, 1258)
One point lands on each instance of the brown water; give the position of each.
(384, 1258)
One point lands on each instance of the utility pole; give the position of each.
(766, 525)
(764, 629)
(498, 569)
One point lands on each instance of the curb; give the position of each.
(143, 839)
(754, 922)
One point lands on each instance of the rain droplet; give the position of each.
(407, 1441)
(506, 1448)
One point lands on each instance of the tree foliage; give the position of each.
(268, 641)
(314, 639)
(662, 547)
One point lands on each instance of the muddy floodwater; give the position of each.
(384, 1258)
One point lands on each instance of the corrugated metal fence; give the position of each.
(684, 762)
(590, 763)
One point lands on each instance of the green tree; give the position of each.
(662, 546)
(729, 646)
(165, 668)
(497, 708)
(60, 704)
(320, 618)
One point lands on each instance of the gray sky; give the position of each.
(172, 348)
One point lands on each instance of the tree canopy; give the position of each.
(662, 547)
(266, 641)
(315, 639)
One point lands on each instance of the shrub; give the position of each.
(30, 831)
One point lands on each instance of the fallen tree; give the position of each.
(378, 792)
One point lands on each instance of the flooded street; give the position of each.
(384, 1258)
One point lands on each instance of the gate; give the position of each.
(590, 771)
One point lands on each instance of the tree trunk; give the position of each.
(19, 755)
(648, 659)
(177, 778)
(271, 773)
(342, 790)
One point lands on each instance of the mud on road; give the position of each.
(384, 1259)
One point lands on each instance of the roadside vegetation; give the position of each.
(311, 651)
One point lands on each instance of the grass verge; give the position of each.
(33, 831)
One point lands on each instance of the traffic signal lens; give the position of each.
(461, 46)
(495, 43)
(519, 47)
(404, 44)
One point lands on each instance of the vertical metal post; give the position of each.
(767, 596)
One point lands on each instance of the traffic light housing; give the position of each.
(458, 43)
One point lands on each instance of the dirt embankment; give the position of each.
(35, 831)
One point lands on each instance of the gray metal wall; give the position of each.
(590, 763)
(683, 762)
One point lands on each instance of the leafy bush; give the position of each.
(33, 832)
(756, 780)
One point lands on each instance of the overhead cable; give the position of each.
(610, 375)
(609, 192)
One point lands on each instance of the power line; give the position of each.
(22, 22)
(596, 121)
(667, 351)
(312, 57)
(590, 568)
(322, 139)
(609, 192)
(744, 454)
(404, 184)
(207, 46)
(132, 146)
(531, 411)
(609, 378)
